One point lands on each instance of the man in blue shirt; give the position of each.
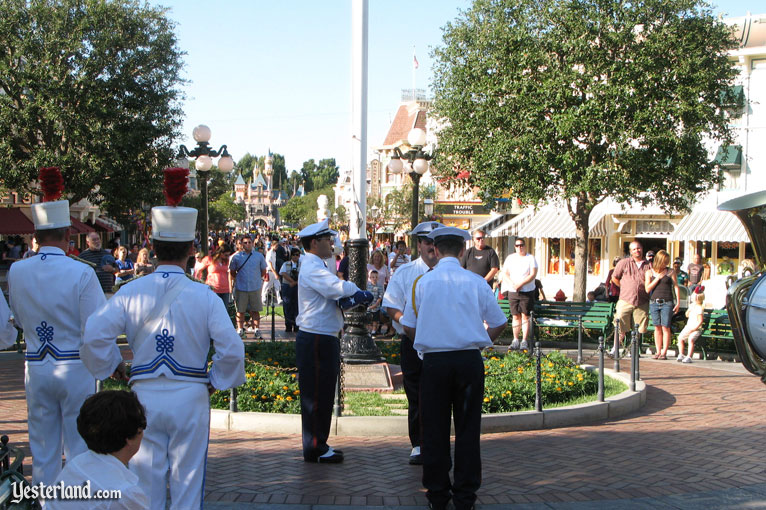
(247, 269)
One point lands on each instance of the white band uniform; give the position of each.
(170, 374)
(51, 297)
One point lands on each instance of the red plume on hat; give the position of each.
(699, 289)
(175, 185)
(51, 182)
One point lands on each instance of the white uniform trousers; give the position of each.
(175, 439)
(55, 393)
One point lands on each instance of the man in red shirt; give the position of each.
(633, 303)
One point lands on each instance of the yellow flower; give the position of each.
(486, 399)
(502, 365)
(297, 392)
(558, 388)
(293, 376)
(285, 388)
(289, 398)
(268, 359)
(263, 397)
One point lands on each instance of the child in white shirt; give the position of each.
(693, 329)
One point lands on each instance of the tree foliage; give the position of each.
(577, 100)
(92, 86)
(302, 211)
(319, 175)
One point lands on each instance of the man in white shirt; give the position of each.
(398, 294)
(447, 320)
(518, 280)
(317, 346)
(273, 273)
(51, 297)
(169, 320)
(112, 424)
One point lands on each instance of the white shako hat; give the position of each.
(170, 222)
(320, 228)
(437, 233)
(424, 228)
(175, 224)
(51, 213)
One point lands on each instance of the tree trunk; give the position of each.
(581, 215)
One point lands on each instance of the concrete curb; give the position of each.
(276, 423)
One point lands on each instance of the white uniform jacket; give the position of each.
(179, 345)
(105, 473)
(399, 290)
(7, 331)
(52, 297)
(452, 305)
(318, 290)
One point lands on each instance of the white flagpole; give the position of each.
(357, 224)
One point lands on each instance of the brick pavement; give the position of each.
(702, 429)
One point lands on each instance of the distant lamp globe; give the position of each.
(416, 137)
(201, 133)
(226, 164)
(204, 163)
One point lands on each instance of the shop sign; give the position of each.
(16, 198)
(465, 209)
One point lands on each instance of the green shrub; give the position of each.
(510, 381)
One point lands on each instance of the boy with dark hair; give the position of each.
(112, 424)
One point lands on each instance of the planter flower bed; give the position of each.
(272, 380)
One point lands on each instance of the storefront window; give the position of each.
(594, 256)
(569, 256)
(705, 249)
(554, 255)
(728, 258)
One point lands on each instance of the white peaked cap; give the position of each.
(176, 224)
(449, 231)
(50, 215)
(319, 228)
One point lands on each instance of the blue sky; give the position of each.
(277, 75)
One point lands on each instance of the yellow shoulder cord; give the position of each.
(414, 284)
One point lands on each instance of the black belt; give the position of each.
(660, 301)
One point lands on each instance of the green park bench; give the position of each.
(716, 333)
(566, 314)
(596, 315)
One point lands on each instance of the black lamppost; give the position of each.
(204, 154)
(416, 165)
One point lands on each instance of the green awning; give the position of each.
(729, 157)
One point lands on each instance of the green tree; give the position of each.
(94, 87)
(302, 211)
(294, 181)
(307, 174)
(245, 165)
(224, 210)
(326, 173)
(577, 100)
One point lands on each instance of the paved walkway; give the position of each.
(698, 443)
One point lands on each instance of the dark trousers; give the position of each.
(318, 361)
(452, 384)
(412, 366)
(290, 304)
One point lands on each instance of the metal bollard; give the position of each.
(633, 349)
(601, 369)
(336, 408)
(233, 400)
(638, 353)
(273, 306)
(579, 341)
(538, 379)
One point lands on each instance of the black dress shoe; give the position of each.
(416, 460)
(335, 458)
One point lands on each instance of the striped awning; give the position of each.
(512, 226)
(557, 223)
(710, 226)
